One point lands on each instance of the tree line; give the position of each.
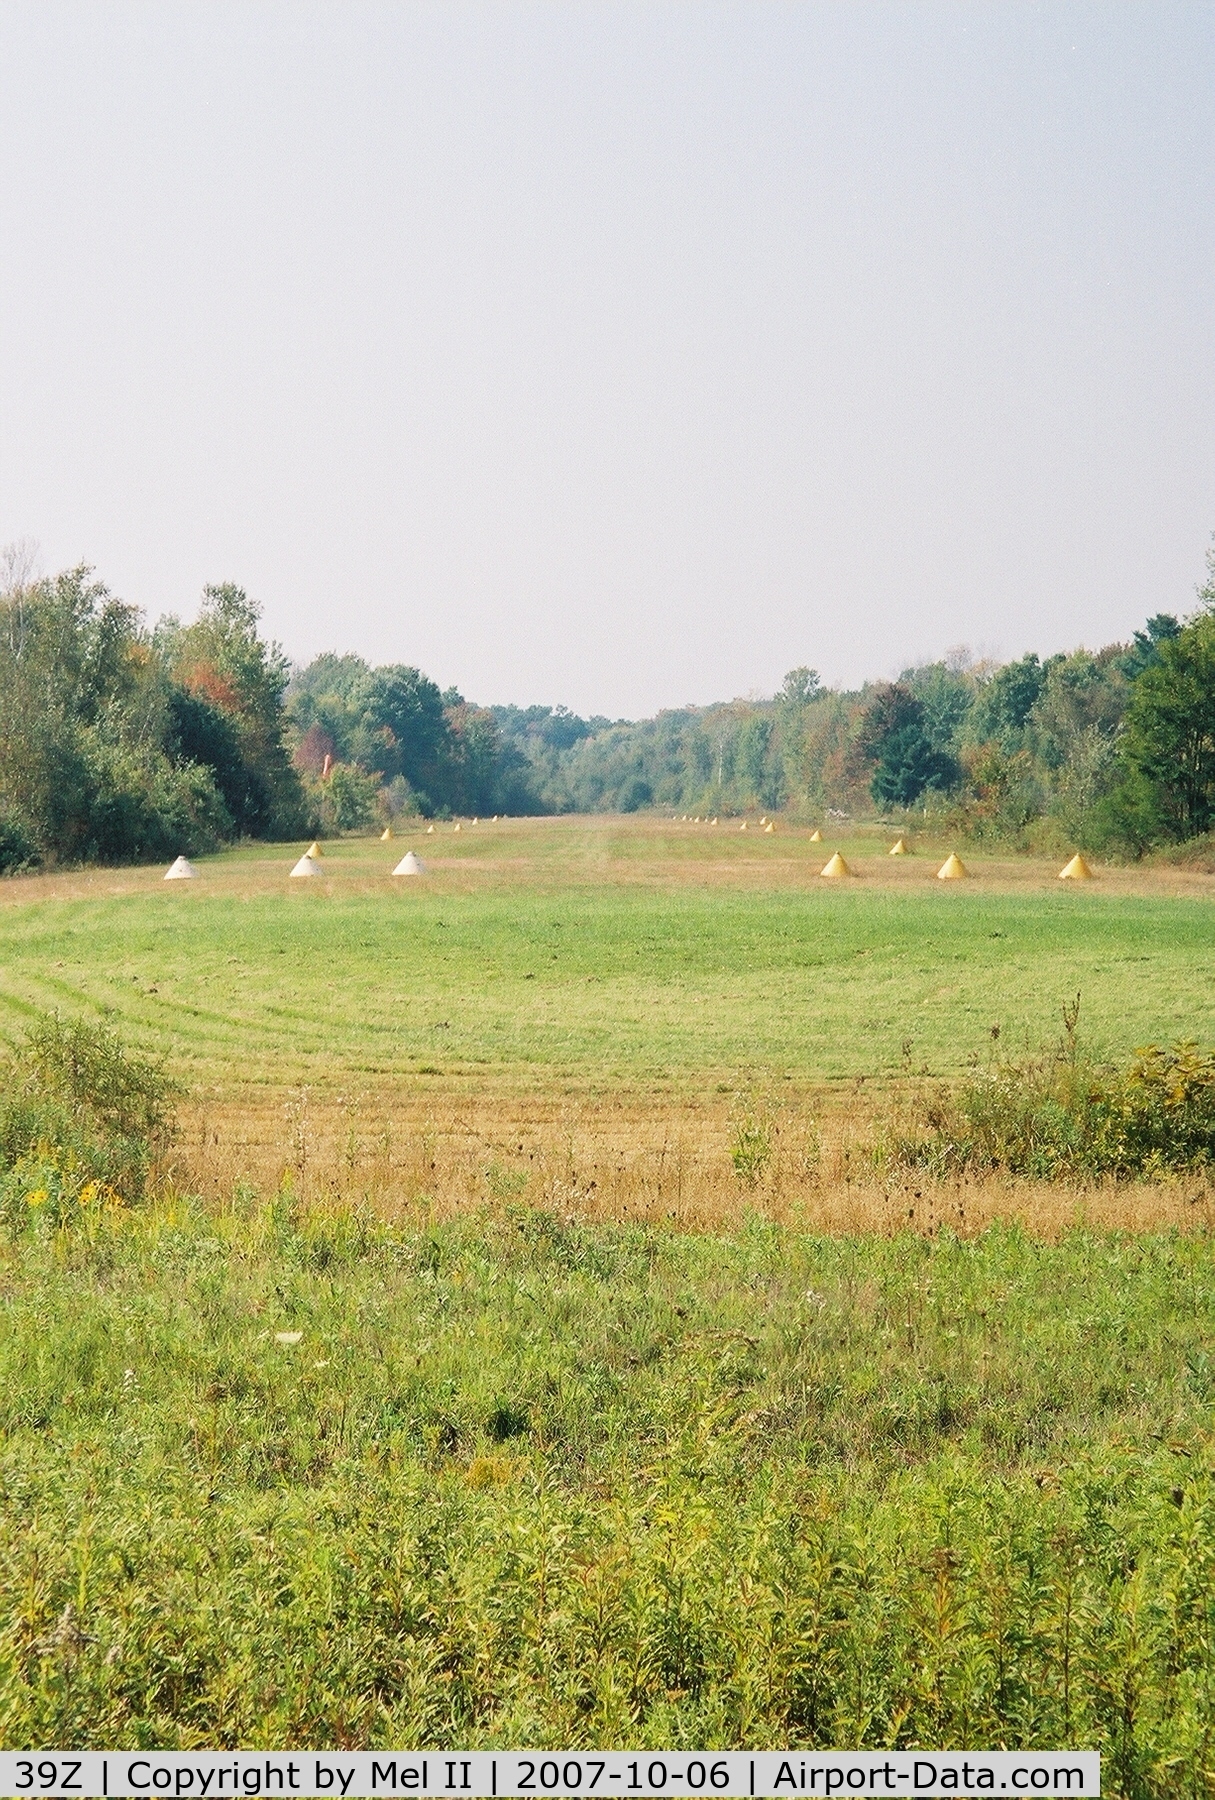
(1113, 748)
(121, 742)
(118, 743)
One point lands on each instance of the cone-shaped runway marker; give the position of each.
(181, 870)
(816, 836)
(314, 851)
(1076, 870)
(899, 849)
(307, 865)
(953, 868)
(410, 865)
(836, 868)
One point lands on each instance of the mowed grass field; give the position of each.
(577, 1009)
(606, 951)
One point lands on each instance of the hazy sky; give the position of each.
(621, 355)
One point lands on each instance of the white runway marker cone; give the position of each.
(181, 870)
(410, 865)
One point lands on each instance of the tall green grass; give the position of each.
(274, 1479)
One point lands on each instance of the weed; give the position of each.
(752, 1142)
(86, 1066)
(79, 1112)
(456, 1486)
(505, 1183)
(1064, 1115)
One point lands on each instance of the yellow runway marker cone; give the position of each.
(899, 849)
(386, 835)
(836, 868)
(816, 836)
(953, 868)
(313, 851)
(1076, 870)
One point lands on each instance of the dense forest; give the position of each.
(120, 742)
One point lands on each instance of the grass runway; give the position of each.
(606, 952)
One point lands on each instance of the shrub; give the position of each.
(18, 848)
(79, 1105)
(1063, 1115)
(348, 799)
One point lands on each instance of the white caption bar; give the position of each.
(469, 1775)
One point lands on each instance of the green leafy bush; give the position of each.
(79, 1112)
(18, 848)
(1063, 1115)
(348, 799)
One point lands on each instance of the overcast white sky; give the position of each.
(621, 355)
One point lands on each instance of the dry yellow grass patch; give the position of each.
(629, 1158)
